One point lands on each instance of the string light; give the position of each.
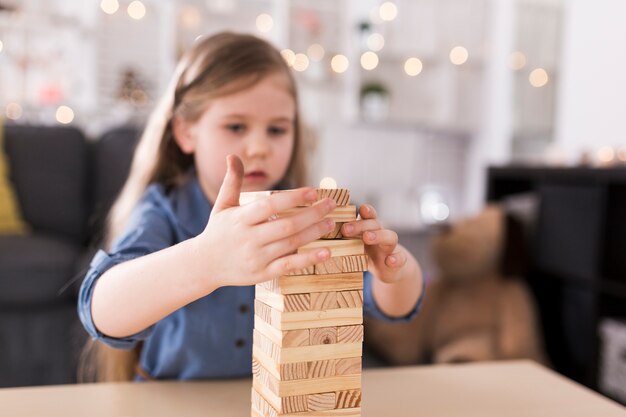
(339, 63)
(388, 11)
(289, 56)
(190, 17)
(369, 60)
(301, 62)
(538, 77)
(64, 115)
(375, 42)
(13, 111)
(517, 60)
(264, 22)
(459, 55)
(606, 154)
(328, 183)
(1, 46)
(413, 66)
(109, 6)
(136, 10)
(316, 52)
(621, 154)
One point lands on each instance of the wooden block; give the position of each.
(348, 366)
(263, 310)
(348, 399)
(321, 369)
(323, 336)
(342, 264)
(262, 408)
(282, 338)
(283, 404)
(322, 401)
(304, 283)
(335, 233)
(314, 319)
(339, 214)
(265, 344)
(291, 371)
(350, 298)
(285, 303)
(309, 386)
(350, 334)
(340, 195)
(305, 271)
(339, 247)
(305, 354)
(324, 300)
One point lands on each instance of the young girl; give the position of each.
(177, 283)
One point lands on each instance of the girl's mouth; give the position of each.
(255, 176)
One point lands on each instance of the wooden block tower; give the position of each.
(308, 329)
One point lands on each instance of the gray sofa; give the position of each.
(65, 185)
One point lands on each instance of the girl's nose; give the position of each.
(258, 145)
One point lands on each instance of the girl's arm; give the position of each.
(237, 247)
(398, 284)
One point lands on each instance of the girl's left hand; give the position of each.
(386, 258)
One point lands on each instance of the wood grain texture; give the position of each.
(305, 354)
(350, 298)
(350, 334)
(341, 264)
(348, 399)
(323, 336)
(339, 214)
(324, 300)
(339, 247)
(262, 408)
(297, 302)
(321, 369)
(340, 195)
(321, 401)
(348, 366)
(316, 283)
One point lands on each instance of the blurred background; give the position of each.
(441, 105)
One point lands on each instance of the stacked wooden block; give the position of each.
(309, 330)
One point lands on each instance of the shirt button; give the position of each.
(240, 343)
(243, 309)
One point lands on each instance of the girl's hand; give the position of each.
(241, 247)
(386, 258)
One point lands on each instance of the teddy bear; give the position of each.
(471, 311)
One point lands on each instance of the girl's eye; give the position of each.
(236, 127)
(276, 131)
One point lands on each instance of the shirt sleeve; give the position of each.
(148, 231)
(371, 308)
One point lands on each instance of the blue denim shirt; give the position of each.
(208, 338)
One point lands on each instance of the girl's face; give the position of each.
(256, 124)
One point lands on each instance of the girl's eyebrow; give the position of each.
(273, 120)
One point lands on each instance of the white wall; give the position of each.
(592, 93)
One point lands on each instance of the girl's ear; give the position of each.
(183, 135)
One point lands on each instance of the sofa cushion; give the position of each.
(34, 269)
(49, 172)
(10, 215)
(112, 157)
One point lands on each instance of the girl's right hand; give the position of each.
(239, 246)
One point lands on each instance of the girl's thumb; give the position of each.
(228, 195)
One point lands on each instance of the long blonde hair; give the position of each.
(214, 67)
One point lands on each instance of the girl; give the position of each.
(177, 282)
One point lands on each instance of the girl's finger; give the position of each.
(367, 212)
(294, 223)
(228, 195)
(396, 260)
(356, 229)
(261, 210)
(386, 239)
(289, 263)
(291, 243)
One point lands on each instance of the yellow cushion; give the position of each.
(11, 221)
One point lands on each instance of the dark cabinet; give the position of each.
(578, 256)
